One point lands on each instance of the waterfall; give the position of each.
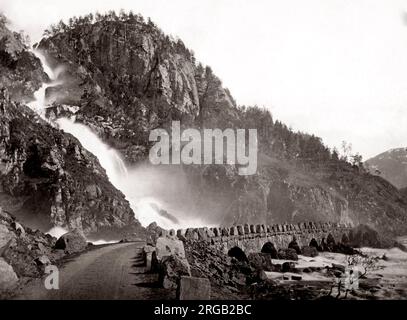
(108, 158)
(38, 105)
(144, 206)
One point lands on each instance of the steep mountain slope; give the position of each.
(134, 78)
(127, 78)
(47, 179)
(20, 71)
(391, 165)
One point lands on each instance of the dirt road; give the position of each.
(109, 272)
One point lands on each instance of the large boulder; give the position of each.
(5, 236)
(8, 278)
(269, 248)
(287, 254)
(167, 246)
(72, 242)
(171, 269)
(288, 267)
(261, 261)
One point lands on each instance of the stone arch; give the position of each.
(269, 248)
(314, 243)
(238, 254)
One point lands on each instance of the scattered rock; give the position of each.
(287, 254)
(339, 267)
(260, 261)
(288, 267)
(43, 261)
(19, 228)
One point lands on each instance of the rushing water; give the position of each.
(132, 184)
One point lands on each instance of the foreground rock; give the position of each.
(169, 245)
(51, 177)
(8, 278)
(169, 259)
(171, 269)
(24, 253)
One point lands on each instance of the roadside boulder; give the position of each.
(72, 242)
(171, 269)
(167, 246)
(8, 278)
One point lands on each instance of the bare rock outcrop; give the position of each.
(53, 180)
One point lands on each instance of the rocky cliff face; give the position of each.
(127, 78)
(20, 71)
(391, 165)
(47, 179)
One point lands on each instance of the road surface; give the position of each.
(106, 273)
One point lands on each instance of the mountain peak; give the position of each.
(391, 165)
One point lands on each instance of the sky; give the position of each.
(334, 68)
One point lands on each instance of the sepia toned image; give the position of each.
(203, 150)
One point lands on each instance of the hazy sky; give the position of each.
(335, 68)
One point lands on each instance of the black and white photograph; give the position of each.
(213, 150)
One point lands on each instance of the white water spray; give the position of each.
(131, 184)
(108, 158)
(39, 104)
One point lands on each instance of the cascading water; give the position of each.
(144, 205)
(108, 158)
(39, 104)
